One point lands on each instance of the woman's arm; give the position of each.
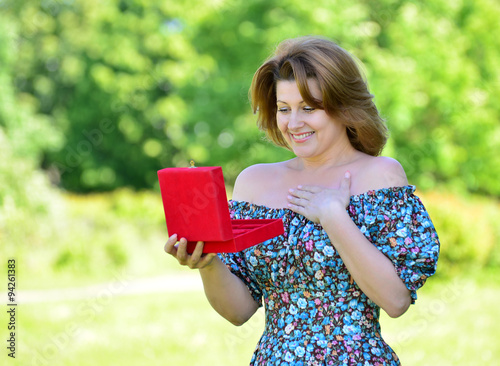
(373, 272)
(227, 294)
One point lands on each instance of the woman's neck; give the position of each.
(343, 156)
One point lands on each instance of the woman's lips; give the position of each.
(301, 137)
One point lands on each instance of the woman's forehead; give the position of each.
(290, 89)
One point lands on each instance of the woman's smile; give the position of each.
(301, 137)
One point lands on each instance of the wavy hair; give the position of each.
(344, 90)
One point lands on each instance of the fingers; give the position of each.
(297, 198)
(194, 260)
(182, 254)
(296, 208)
(170, 245)
(197, 259)
(197, 253)
(301, 194)
(304, 189)
(297, 204)
(316, 202)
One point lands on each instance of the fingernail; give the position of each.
(347, 175)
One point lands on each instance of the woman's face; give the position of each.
(310, 132)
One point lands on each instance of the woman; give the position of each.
(356, 238)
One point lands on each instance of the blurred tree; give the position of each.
(26, 196)
(434, 70)
(136, 86)
(108, 73)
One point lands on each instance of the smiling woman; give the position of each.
(356, 238)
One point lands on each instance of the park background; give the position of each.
(96, 96)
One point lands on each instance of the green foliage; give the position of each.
(468, 231)
(434, 75)
(25, 193)
(89, 238)
(137, 86)
(107, 74)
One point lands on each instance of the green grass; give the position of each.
(452, 323)
(166, 329)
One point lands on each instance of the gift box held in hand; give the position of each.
(195, 205)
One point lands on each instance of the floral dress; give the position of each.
(315, 313)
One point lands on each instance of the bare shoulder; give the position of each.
(251, 181)
(382, 172)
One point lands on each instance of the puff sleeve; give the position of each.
(397, 223)
(237, 263)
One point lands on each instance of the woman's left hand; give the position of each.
(317, 203)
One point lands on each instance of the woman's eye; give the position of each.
(309, 109)
(283, 110)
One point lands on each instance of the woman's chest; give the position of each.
(274, 191)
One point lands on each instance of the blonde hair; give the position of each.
(344, 91)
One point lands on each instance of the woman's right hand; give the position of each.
(179, 251)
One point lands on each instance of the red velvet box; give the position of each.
(195, 205)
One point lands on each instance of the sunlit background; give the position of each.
(96, 96)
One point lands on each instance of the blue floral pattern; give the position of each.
(315, 312)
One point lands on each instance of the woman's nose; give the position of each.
(295, 121)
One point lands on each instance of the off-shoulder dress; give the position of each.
(315, 313)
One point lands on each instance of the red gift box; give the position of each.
(195, 205)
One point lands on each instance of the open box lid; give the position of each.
(196, 208)
(195, 203)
